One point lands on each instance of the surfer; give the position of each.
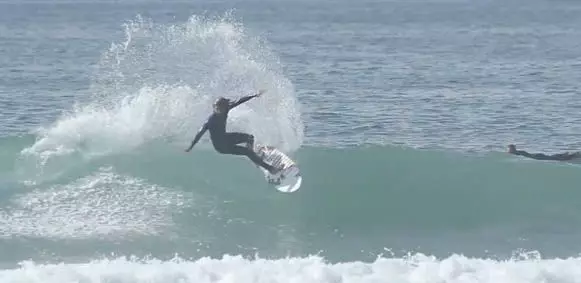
(227, 143)
(540, 156)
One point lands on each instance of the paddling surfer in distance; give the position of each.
(540, 156)
(225, 142)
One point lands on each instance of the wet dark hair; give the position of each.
(221, 101)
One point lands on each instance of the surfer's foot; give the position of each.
(250, 143)
(274, 170)
(274, 181)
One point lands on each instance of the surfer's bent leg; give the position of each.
(237, 138)
(240, 150)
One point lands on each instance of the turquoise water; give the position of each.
(398, 114)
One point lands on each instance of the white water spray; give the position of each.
(160, 82)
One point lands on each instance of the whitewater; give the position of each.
(398, 114)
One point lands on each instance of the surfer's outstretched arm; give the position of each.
(244, 99)
(199, 135)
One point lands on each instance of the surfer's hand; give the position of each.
(260, 92)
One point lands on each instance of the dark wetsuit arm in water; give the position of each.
(199, 135)
(241, 100)
(540, 156)
(524, 153)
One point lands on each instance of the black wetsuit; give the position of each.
(227, 143)
(541, 156)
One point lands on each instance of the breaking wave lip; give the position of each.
(526, 267)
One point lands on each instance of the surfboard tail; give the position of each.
(288, 179)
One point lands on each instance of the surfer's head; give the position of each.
(511, 148)
(221, 105)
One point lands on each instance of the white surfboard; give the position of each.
(289, 179)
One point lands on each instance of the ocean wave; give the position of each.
(312, 269)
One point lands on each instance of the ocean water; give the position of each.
(397, 112)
